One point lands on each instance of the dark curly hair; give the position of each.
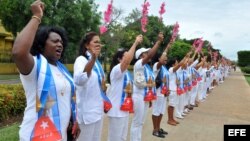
(118, 56)
(86, 39)
(42, 35)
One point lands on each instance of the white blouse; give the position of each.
(88, 94)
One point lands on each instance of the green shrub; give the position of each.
(12, 100)
(244, 58)
(245, 70)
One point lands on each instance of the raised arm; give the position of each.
(128, 56)
(203, 59)
(183, 61)
(95, 51)
(153, 50)
(23, 43)
(163, 57)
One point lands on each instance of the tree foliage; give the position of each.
(244, 58)
(75, 16)
(179, 49)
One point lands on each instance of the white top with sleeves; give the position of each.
(203, 74)
(115, 92)
(189, 70)
(172, 79)
(64, 101)
(89, 100)
(138, 70)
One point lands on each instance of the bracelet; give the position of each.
(36, 17)
(164, 53)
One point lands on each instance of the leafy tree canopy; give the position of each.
(76, 16)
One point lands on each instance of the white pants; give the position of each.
(91, 132)
(118, 128)
(159, 106)
(193, 94)
(180, 105)
(187, 98)
(204, 90)
(172, 98)
(200, 90)
(140, 112)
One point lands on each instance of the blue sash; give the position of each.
(50, 88)
(180, 78)
(127, 79)
(100, 73)
(148, 72)
(164, 72)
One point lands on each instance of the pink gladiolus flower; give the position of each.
(144, 19)
(108, 12)
(162, 10)
(175, 31)
(198, 43)
(103, 29)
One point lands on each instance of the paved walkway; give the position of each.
(229, 103)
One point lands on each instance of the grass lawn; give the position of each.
(9, 133)
(248, 78)
(8, 77)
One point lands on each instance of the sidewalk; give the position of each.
(229, 103)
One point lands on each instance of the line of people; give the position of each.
(55, 98)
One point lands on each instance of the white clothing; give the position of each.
(172, 80)
(140, 82)
(140, 113)
(118, 119)
(172, 99)
(29, 83)
(115, 92)
(159, 105)
(193, 94)
(89, 100)
(140, 106)
(118, 128)
(91, 132)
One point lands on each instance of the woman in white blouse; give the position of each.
(89, 79)
(121, 86)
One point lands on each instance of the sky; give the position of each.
(225, 23)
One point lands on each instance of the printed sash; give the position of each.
(163, 73)
(148, 73)
(126, 100)
(127, 79)
(44, 128)
(100, 73)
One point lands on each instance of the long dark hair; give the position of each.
(86, 39)
(118, 56)
(41, 37)
(171, 62)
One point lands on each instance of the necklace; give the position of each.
(62, 79)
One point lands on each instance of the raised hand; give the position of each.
(37, 8)
(139, 39)
(160, 37)
(95, 51)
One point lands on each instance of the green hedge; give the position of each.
(244, 58)
(245, 70)
(8, 68)
(12, 100)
